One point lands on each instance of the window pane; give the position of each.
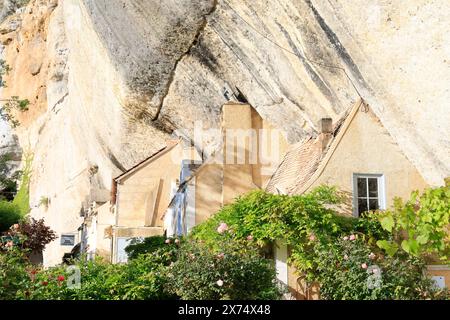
(373, 204)
(373, 187)
(362, 187)
(362, 205)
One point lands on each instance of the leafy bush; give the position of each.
(419, 226)
(230, 270)
(312, 229)
(9, 215)
(149, 245)
(22, 198)
(8, 182)
(349, 269)
(142, 278)
(268, 217)
(293, 219)
(34, 235)
(13, 273)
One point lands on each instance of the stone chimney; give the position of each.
(326, 132)
(237, 171)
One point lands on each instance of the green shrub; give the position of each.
(350, 269)
(143, 278)
(230, 270)
(419, 226)
(149, 245)
(9, 214)
(13, 272)
(22, 198)
(312, 229)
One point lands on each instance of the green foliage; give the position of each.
(142, 278)
(268, 217)
(44, 201)
(314, 232)
(8, 184)
(149, 245)
(13, 273)
(22, 198)
(151, 275)
(294, 220)
(9, 215)
(230, 270)
(419, 226)
(349, 270)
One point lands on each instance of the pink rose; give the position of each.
(250, 238)
(372, 256)
(364, 266)
(222, 228)
(9, 244)
(167, 241)
(220, 255)
(375, 271)
(346, 257)
(312, 237)
(345, 238)
(352, 237)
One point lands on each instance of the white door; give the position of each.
(281, 255)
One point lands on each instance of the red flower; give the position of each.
(44, 283)
(33, 272)
(61, 278)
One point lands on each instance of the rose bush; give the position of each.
(349, 270)
(229, 270)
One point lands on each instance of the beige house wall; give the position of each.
(208, 192)
(144, 195)
(105, 220)
(368, 148)
(272, 147)
(252, 150)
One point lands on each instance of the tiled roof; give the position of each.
(299, 164)
(305, 158)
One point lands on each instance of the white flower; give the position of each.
(219, 283)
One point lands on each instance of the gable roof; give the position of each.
(306, 160)
(170, 145)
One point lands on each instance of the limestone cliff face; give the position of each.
(110, 80)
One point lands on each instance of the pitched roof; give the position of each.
(170, 145)
(298, 165)
(306, 160)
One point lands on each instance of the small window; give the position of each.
(368, 193)
(68, 240)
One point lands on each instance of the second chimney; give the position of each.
(326, 132)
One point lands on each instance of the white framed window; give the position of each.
(368, 193)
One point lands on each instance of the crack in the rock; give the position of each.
(199, 32)
(60, 101)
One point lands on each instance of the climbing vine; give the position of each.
(336, 250)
